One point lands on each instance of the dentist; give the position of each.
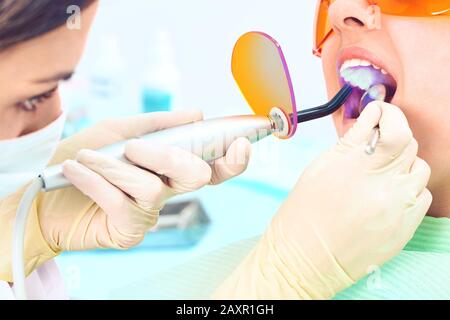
(114, 204)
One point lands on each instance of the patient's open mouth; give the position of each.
(363, 75)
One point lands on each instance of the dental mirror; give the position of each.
(376, 92)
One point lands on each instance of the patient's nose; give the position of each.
(352, 19)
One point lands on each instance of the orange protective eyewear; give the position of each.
(407, 8)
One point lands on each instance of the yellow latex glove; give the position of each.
(348, 212)
(115, 203)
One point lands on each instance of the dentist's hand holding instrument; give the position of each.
(348, 213)
(114, 203)
(129, 196)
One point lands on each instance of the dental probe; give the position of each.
(377, 92)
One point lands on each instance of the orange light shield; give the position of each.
(260, 70)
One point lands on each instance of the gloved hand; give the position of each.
(348, 212)
(115, 203)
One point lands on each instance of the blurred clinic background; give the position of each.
(152, 55)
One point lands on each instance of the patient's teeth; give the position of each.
(345, 65)
(358, 62)
(347, 73)
(355, 62)
(348, 63)
(365, 63)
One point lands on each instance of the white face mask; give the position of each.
(24, 158)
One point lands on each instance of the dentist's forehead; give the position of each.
(51, 56)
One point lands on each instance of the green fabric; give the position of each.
(196, 279)
(420, 271)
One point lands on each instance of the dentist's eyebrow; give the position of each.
(57, 77)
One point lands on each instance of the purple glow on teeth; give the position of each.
(361, 78)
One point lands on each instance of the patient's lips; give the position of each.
(361, 75)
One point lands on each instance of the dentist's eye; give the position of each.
(31, 104)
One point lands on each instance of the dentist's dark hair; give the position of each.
(22, 20)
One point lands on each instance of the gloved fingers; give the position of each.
(184, 170)
(401, 163)
(233, 163)
(417, 178)
(90, 183)
(360, 132)
(135, 126)
(420, 174)
(145, 188)
(415, 214)
(420, 197)
(395, 134)
(409, 156)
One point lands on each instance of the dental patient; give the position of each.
(309, 250)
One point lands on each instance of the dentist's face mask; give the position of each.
(24, 158)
